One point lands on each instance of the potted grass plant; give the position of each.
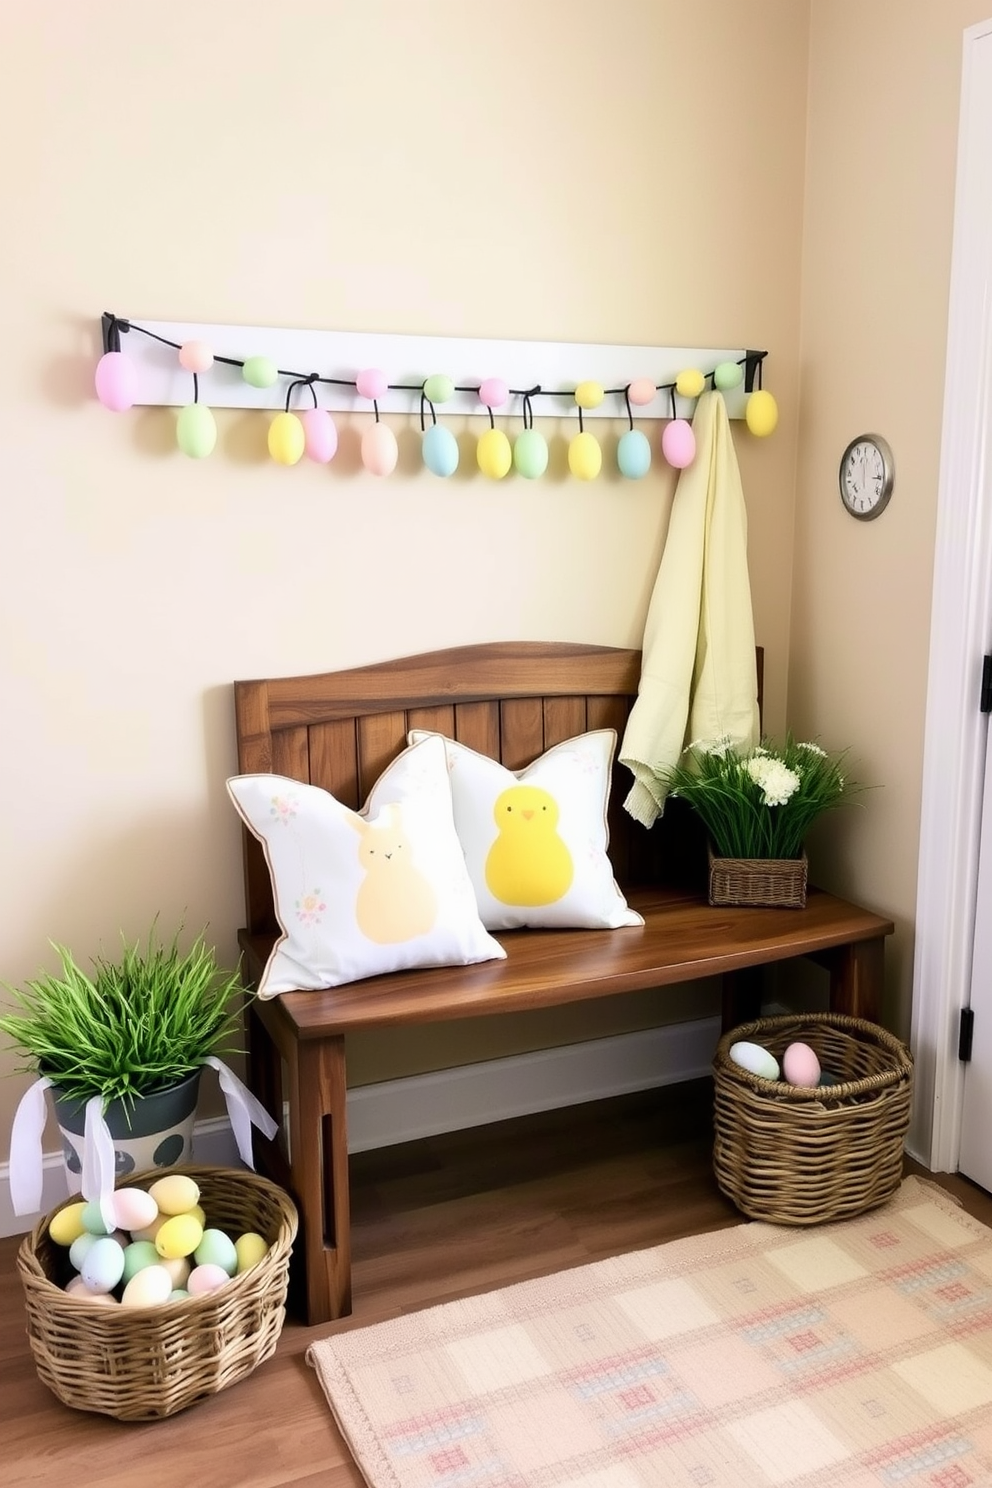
(757, 805)
(134, 1032)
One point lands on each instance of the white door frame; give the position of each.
(961, 632)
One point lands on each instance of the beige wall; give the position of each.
(565, 170)
(884, 95)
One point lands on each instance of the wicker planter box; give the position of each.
(140, 1364)
(796, 1155)
(772, 882)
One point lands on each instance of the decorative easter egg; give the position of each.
(260, 372)
(206, 1278)
(76, 1287)
(148, 1288)
(493, 454)
(67, 1225)
(287, 439)
(79, 1247)
(585, 458)
(678, 443)
(320, 435)
(690, 383)
(371, 383)
(642, 390)
(589, 394)
(178, 1268)
(761, 413)
(379, 449)
(196, 356)
(800, 1065)
(530, 454)
(196, 431)
(175, 1193)
(727, 375)
(148, 1232)
(178, 1295)
(494, 392)
(755, 1059)
(138, 1255)
(438, 388)
(93, 1219)
(179, 1236)
(250, 1249)
(103, 1265)
(440, 450)
(217, 1249)
(116, 381)
(134, 1208)
(633, 454)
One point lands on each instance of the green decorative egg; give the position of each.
(438, 388)
(260, 371)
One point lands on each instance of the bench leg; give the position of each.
(857, 977)
(319, 1162)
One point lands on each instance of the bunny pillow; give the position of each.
(360, 893)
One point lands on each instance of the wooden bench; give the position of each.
(339, 730)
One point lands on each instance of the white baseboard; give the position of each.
(416, 1106)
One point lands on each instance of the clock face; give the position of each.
(866, 476)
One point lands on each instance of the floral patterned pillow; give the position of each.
(535, 839)
(360, 893)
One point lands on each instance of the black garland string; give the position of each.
(113, 325)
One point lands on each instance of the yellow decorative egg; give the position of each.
(585, 458)
(179, 1236)
(493, 454)
(148, 1288)
(761, 413)
(250, 1248)
(175, 1193)
(690, 384)
(67, 1225)
(589, 394)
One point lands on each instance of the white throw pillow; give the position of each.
(360, 893)
(535, 839)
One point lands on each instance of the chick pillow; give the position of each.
(535, 839)
(359, 893)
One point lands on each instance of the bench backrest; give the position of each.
(509, 700)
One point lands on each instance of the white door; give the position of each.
(975, 1159)
(953, 957)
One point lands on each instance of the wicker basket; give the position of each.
(799, 1155)
(773, 882)
(141, 1364)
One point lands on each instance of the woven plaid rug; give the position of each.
(850, 1355)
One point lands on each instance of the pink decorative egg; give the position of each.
(678, 443)
(196, 356)
(371, 383)
(494, 392)
(206, 1278)
(320, 434)
(642, 390)
(800, 1065)
(116, 381)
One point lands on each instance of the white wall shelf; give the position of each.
(556, 365)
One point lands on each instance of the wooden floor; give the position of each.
(433, 1220)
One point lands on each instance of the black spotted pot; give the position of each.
(155, 1131)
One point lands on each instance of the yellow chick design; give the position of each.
(528, 864)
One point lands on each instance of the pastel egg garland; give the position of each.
(291, 434)
(186, 1258)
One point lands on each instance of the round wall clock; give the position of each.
(866, 476)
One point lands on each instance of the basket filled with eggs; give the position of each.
(176, 1293)
(810, 1116)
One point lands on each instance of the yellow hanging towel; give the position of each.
(698, 671)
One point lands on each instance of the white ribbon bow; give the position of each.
(97, 1178)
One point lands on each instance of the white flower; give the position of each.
(719, 748)
(814, 749)
(778, 783)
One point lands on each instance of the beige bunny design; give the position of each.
(395, 901)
